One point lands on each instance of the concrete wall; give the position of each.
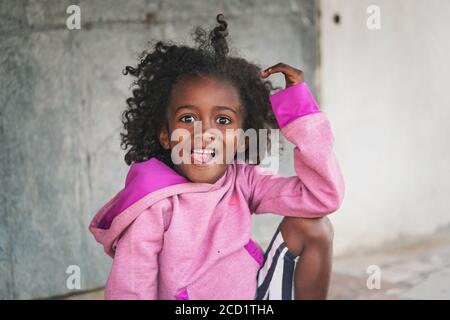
(386, 93)
(61, 96)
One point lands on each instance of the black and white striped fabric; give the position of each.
(276, 276)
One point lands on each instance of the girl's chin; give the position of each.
(202, 173)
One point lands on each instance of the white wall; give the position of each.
(387, 94)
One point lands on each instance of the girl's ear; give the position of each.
(164, 138)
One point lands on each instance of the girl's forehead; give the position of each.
(204, 83)
(204, 91)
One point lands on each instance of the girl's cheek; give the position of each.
(180, 138)
(239, 140)
(231, 143)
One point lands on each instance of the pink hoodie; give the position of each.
(174, 239)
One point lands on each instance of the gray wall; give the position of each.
(61, 96)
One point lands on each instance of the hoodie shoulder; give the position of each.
(157, 215)
(148, 184)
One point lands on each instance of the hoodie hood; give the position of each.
(142, 179)
(146, 183)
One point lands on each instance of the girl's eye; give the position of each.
(187, 119)
(223, 120)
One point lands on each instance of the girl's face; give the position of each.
(217, 105)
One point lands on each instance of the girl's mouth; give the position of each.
(202, 157)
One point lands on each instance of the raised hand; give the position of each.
(291, 74)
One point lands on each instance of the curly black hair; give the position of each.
(160, 69)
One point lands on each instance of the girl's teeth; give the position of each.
(202, 155)
(201, 158)
(203, 151)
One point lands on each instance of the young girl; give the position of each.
(183, 231)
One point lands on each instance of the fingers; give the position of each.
(279, 67)
(291, 74)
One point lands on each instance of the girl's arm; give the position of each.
(134, 273)
(318, 187)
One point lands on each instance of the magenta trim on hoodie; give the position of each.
(286, 108)
(174, 239)
(143, 178)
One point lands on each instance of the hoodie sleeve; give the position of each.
(318, 187)
(134, 273)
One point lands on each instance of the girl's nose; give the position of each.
(203, 133)
(204, 137)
